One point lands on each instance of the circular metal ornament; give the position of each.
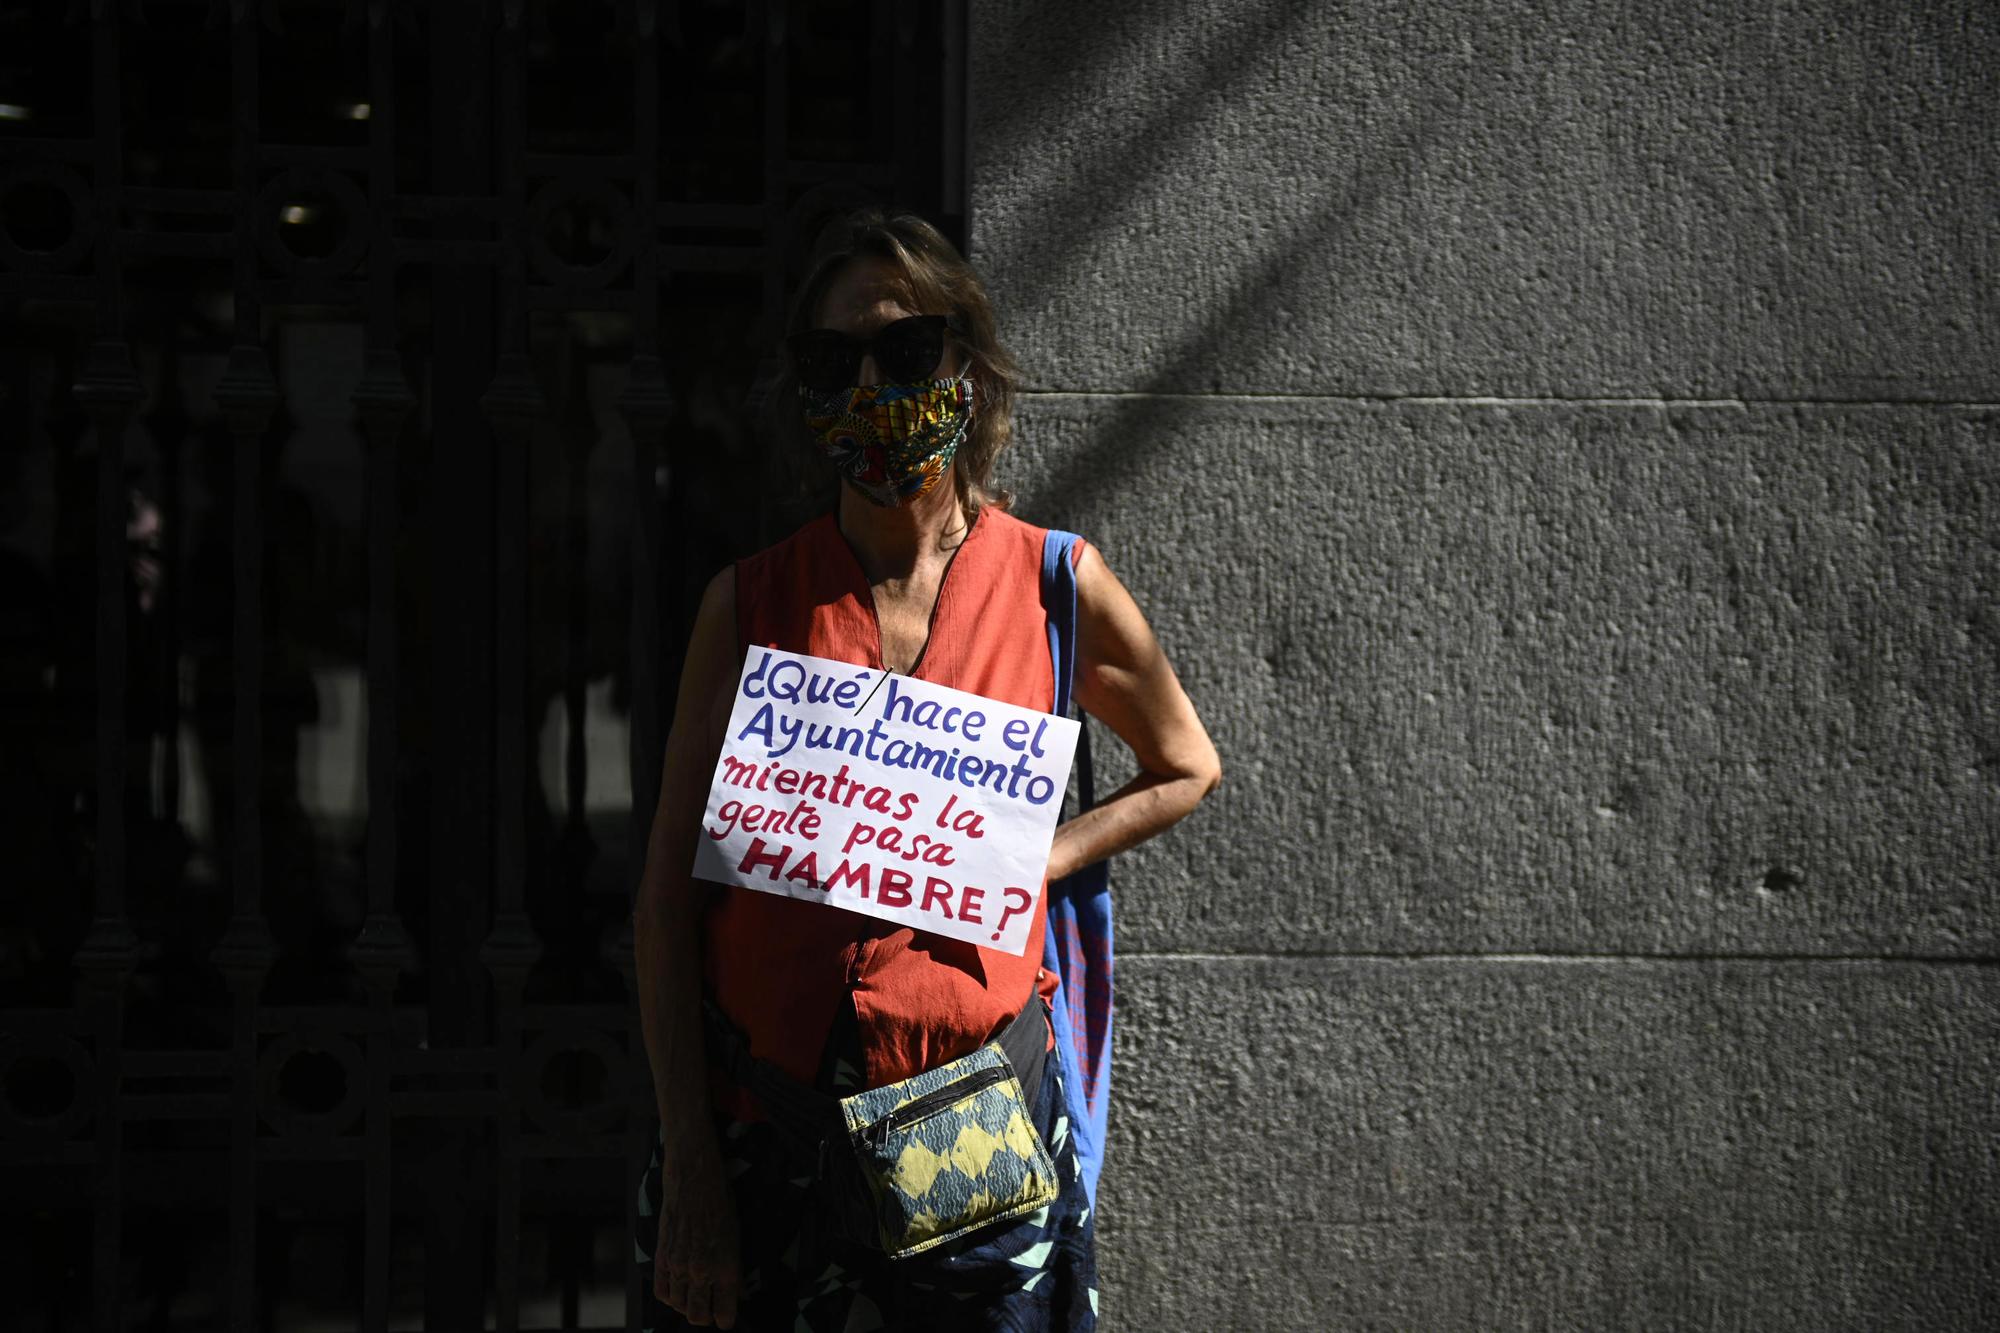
(281, 191)
(57, 1125)
(83, 217)
(289, 1119)
(599, 1116)
(610, 202)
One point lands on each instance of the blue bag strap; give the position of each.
(1059, 599)
(1077, 942)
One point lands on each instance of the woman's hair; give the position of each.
(939, 281)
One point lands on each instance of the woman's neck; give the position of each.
(892, 544)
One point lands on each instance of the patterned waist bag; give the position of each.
(927, 1159)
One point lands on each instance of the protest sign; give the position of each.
(886, 795)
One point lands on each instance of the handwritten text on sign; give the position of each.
(894, 797)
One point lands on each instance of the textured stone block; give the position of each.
(1593, 198)
(1442, 1144)
(1557, 677)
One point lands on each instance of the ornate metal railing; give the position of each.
(346, 347)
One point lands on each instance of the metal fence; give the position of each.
(372, 410)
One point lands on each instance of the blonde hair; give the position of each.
(940, 281)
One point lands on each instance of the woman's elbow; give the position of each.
(1205, 774)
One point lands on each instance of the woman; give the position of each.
(920, 570)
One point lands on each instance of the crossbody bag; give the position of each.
(926, 1159)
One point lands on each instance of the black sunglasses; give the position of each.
(907, 351)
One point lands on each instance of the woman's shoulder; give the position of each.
(1004, 527)
(1023, 541)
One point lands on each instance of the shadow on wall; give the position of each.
(1107, 461)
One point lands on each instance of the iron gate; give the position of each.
(372, 411)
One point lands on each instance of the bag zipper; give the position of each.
(877, 1134)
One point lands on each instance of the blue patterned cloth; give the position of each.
(1036, 1272)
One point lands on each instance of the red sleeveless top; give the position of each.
(780, 967)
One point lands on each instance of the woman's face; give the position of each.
(893, 441)
(866, 294)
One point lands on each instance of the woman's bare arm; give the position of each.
(1124, 680)
(696, 1259)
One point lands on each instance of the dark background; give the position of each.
(376, 396)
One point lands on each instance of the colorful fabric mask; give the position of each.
(892, 442)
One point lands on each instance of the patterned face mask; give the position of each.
(892, 442)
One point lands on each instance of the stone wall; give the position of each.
(1559, 452)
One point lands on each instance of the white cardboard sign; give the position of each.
(886, 795)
